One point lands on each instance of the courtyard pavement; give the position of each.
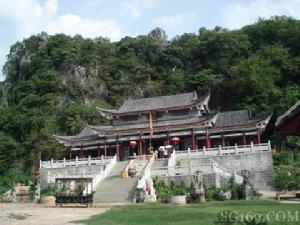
(37, 214)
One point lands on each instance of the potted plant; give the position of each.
(177, 194)
(79, 190)
(132, 170)
(47, 196)
(62, 191)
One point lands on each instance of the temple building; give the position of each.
(183, 121)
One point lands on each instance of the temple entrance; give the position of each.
(157, 142)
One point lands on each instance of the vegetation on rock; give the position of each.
(54, 82)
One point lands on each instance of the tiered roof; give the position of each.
(221, 121)
(160, 103)
(158, 126)
(240, 119)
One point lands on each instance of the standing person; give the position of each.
(165, 153)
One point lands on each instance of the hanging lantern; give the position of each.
(175, 139)
(132, 143)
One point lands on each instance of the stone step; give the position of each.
(160, 163)
(114, 188)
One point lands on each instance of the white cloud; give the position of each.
(134, 8)
(87, 27)
(32, 17)
(51, 6)
(27, 17)
(237, 15)
(170, 21)
(174, 21)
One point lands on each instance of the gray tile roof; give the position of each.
(160, 102)
(289, 113)
(232, 118)
(167, 123)
(237, 118)
(86, 134)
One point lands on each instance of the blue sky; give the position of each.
(118, 18)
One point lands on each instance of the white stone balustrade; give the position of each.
(75, 162)
(227, 150)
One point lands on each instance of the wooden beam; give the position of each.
(208, 141)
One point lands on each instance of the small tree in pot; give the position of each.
(177, 193)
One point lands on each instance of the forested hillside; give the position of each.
(53, 83)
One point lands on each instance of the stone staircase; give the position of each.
(160, 163)
(114, 188)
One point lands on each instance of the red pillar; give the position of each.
(168, 138)
(193, 140)
(258, 137)
(223, 140)
(244, 138)
(117, 147)
(140, 144)
(81, 151)
(70, 152)
(105, 150)
(208, 142)
(196, 142)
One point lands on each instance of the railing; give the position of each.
(208, 168)
(75, 162)
(227, 150)
(97, 176)
(141, 157)
(146, 177)
(171, 160)
(103, 174)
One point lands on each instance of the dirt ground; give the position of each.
(36, 214)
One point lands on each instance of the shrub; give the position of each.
(79, 189)
(161, 190)
(212, 193)
(282, 180)
(283, 158)
(48, 191)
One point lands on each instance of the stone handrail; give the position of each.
(103, 174)
(97, 177)
(227, 150)
(145, 182)
(171, 160)
(207, 168)
(75, 162)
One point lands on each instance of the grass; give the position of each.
(194, 214)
